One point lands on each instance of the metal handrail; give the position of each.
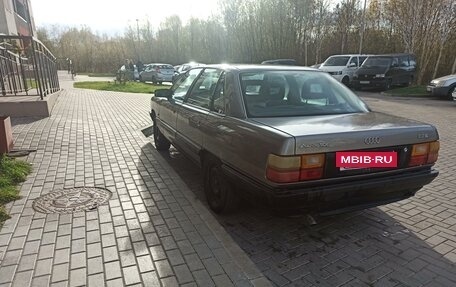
(25, 64)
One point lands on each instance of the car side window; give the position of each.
(395, 62)
(412, 62)
(361, 60)
(204, 87)
(219, 101)
(183, 84)
(404, 61)
(354, 60)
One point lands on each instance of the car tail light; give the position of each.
(312, 166)
(424, 153)
(434, 148)
(285, 169)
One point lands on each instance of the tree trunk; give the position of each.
(436, 67)
(453, 69)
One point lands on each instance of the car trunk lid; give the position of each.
(372, 132)
(358, 131)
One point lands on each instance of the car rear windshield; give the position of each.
(372, 62)
(337, 61)
(296, 93)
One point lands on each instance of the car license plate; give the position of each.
(364, 82)
(366, 159)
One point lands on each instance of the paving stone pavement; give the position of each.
(152, 232)
(409, 243)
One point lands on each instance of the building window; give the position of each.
(20, 9)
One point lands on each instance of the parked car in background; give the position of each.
(274, 133)
(443, 87)
(287, 62)
(184, 67)
(385, 71)
(128, 74)
(343, 67)
(157, 73)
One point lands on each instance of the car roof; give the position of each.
(158, 64)
(350, 55)
(392, 55)
(248, 67)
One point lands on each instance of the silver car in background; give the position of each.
(157, 73)
(443, 87)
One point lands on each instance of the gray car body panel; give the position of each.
(244, 143)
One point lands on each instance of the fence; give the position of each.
(25, 65)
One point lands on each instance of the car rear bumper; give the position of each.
(339, 197)
(164, 78)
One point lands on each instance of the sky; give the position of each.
(113, 16)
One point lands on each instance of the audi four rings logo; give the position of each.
(372, 140)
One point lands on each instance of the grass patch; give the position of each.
(128, 87)
(409, 91)
(12, 172)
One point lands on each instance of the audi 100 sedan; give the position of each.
(292, 137)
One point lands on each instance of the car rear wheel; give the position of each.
(161, 143)
(219, 191)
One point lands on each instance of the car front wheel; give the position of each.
(161, 143)
(450, 93)
(219, 191)
(387, 85)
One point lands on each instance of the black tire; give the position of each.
(346, 81)
(159, 83)
(219, 191)
(409, 82)
(387, 85)
(450, 92)
(161, 143)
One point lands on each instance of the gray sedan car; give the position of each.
(157, 73)
(291, 137)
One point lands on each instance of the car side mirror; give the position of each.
(163, 93)
(352, 65)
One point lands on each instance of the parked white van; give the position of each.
(342, 67)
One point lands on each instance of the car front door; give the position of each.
(168, 112)
(352, 66)
(193, 113)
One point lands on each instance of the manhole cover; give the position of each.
(72, 200)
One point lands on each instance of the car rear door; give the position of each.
(193, 114)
